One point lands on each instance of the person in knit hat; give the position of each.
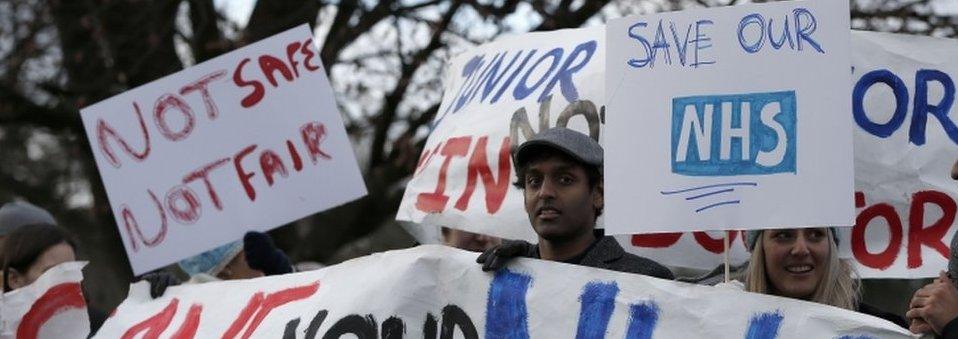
(803, 263)
(19, 213)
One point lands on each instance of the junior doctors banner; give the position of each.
(440, 292)
(497, 96)
(249, 140)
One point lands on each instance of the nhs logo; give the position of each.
(742, 134)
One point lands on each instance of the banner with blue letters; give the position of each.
(440, 292)
(742, 113)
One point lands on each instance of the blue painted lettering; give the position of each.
(564, 76)
(764, 326)
(804, 25)
(598, 302)
(523, 89)
(729, 140)
(642, 320)
(506, 314)
(919, 117)
(920, 110)
(661, 47)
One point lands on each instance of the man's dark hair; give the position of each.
(24, 246)
(593, 173)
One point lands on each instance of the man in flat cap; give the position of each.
(560, 173)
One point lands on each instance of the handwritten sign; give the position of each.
(51, 307)
(497, 96)
(439, 292)
(247, 141)
(742, 118)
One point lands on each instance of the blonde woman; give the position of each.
(803, 263)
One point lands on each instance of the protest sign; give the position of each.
(435, 291)
(905, 197)
(51, 307)
(742, 118)
(906, 143)
(497, 96)
(246, 141)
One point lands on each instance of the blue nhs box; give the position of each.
(739, 134)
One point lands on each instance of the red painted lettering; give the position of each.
(103, 130)
(155, 325)
(930, 236)
(202, 85)
(271, 164)
(270, 65)
(713, 245)
(291, 50)
(183, 204)
(436, 201)
(129, 221)
(163, 104)
(479, 167)
(256, 95)
(59, 298)
(310, 55)
(426, 158)
(203, 173)
(655, 240)
(886, 257)
(259, 307)
(190, 324)
(244, 176)
(313, 134)
(297, 161)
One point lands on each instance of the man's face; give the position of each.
(559, 201)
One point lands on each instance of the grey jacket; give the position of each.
(607, 254)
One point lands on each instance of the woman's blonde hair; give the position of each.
(839, 287)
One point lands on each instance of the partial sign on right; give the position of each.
(906, 143)
(729, 118)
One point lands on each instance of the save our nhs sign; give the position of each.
(729, 118)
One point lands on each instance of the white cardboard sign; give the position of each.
(51, 307)
(497, 96)
(742, 118)
(439, 292)
(249, 140)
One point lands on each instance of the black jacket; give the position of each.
(607, 254)
(872, 311)
(951, 330)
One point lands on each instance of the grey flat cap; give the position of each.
(19, 213)
(577, 145)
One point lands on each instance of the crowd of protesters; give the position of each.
(560, 174)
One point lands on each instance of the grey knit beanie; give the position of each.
(19, 213)
(752, 236)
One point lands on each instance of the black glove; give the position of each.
(262, 254)
(495, 258)
(159, 281)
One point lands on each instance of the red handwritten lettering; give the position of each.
(886, 257)
(129, 221)
(479, 167)
(155, 325)
(243, 175)
(310, 55)
(203, 173)
(270, 65)
(297, 161)
(426, 158)
(202, 85)
(930, 236)
(436, 201)
(163, 104)
(291, 50)
(271, 164)
(57, 299)
(190, 324)
(313, 134)
(187, 214)
(713, 245)
(655, 240)
(258, 92)
(104, 130)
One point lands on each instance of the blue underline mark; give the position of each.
(710, 193)
(717, 204)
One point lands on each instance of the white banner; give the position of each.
(497, 96)
(246, 141)
(742, 118)
(434, 291)
(905, 146)
(51, 307)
